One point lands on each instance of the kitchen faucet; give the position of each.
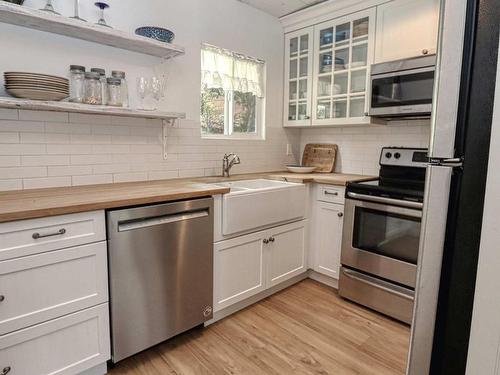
(227, 163)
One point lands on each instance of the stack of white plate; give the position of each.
(36, 86)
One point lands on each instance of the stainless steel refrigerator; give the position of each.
(455, 183)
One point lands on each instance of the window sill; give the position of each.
(233, 137)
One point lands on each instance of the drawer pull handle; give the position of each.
(2, 298)
(37, 235)
(335, 194)
(272, 239)
(6, 370)
(265, 240)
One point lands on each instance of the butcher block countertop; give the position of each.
(28, 204)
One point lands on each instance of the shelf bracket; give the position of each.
(169, 122)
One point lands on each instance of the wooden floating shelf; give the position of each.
(39, 20)
(36, 105)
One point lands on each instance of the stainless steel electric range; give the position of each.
(381, 234)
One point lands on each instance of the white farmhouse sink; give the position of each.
(254, 204)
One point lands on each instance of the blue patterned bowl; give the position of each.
(157, 33)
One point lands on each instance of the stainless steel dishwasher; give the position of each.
(160, 271)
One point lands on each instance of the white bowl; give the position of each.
(300, 169)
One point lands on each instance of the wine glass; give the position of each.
(77, 12)
(49, 7)
(158, 86)
(102, 6)
(143, 89)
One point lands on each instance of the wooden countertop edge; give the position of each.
(63, 203)
(72, 208)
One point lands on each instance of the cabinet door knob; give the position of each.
(425, 52)
(272, 239)
(6, 370)
(340, 214)
(307, 117)
(265, 240)
(2, 298)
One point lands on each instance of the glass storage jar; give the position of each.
(76, 83)
(121, 76)
(102, 77)
(114, 92)
(93, 88)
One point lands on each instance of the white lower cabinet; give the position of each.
(247, 265)
(63, 346)
(327, 238)
(287, 253)
(238, 269)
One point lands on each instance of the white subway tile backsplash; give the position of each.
(47, 182)
(21, 126)
(130, 177)
(9, 161)
(9, 137)
(92, 179)
(6, 185)
(22, 149)
(23, 172)
(41, 160)
(47, 149)
(73, 170)
(9, 114)
(43, 116)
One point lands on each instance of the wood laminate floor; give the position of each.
(305, 329)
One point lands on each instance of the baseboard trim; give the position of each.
(100, 369)
(221, 314)
(327, 280)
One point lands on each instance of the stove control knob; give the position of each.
(388, 155)
(397, 155)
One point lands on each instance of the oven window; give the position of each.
(400, 90)
(387, 234)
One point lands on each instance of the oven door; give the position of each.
(403, 93)
(382, 240)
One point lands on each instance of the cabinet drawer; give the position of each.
(45, 286)
(64, 346)
(26, 237)
(332, 194)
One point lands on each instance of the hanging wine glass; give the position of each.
(102, 6)
(77, 12)
(49, 7)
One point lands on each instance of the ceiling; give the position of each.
(279, 8)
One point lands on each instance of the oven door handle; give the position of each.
(368, 280)
(392, 201)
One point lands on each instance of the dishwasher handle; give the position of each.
(146, 222)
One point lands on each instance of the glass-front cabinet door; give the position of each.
(298, 77)
(343, 52)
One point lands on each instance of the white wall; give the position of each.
(97, 149)
(484, 345)
(359, 147)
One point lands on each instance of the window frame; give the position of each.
(260, 112)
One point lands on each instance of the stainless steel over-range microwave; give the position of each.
(402, 88)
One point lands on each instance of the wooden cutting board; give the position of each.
(320, 155)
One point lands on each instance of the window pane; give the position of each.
(343, 33)
(304, 43)
(360, 27)
(212, 111)
(294, 46)
(244, 112)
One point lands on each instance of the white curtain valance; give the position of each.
(221, 69)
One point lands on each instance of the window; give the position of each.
(232, 95)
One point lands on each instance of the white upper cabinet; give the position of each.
(298, 77)
(406, 28)
(343, 52)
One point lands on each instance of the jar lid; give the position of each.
(101, 72)
(77, 68)
(118, 74)
(92, 75)
(114, 81)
